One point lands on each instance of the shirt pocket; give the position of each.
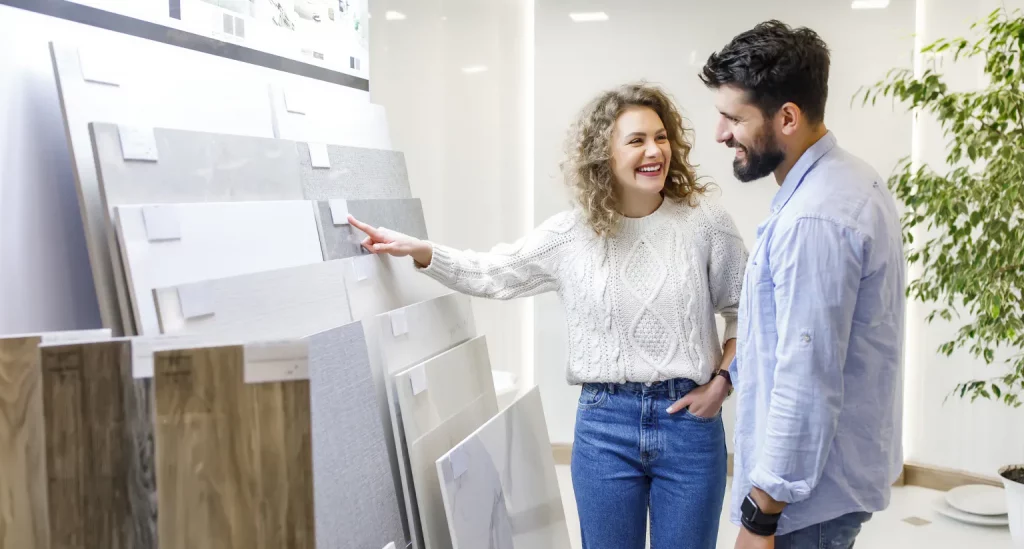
(765, 296)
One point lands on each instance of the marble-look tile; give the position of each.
(500, 488)
(404, 215)
(355, 499)
(355, 173)
(377, 284)
(442, 401)
(430, 327)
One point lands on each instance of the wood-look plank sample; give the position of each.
(377, 284)
(128, 86)
(499, 485)
(210, 240)
(396, 341)
(99, 426)
(283, 303)
(190, 166)
(357, 504)
(442, 401)
(354, 173)
(23, 509)
(234, 464)
(340, 240)
(328, 114)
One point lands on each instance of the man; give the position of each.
(818, 371)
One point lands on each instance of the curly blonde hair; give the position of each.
(587, 167)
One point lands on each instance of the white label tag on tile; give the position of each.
(459, 462)
(339, 211)
(363, 267)
(161, 223)
(273, 361)
(137, 143)
(318, 156)
(418, 380)
(54, 338)
(294, 101)
(399, 322)
(98, 68)
(390, 546)
(195, 300)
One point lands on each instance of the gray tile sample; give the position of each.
(404, 215)
(190, 167)
(355, 173)
(355, 499)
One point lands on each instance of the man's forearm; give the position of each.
(765, 502)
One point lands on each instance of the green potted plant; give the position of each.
(973, 213)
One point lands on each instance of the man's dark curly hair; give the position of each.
(775, 64)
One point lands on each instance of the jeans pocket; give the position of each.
(593, 395)
(689, 415)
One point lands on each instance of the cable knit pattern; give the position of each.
(640, 305)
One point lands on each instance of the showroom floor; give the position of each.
(887, 530)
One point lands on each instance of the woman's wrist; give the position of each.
(423, 254)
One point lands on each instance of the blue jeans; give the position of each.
(839, 533)
(630, 456)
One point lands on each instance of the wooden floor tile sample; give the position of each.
(99, 427)
(189, 166)
(340, 240)
(377, 284)
(214, 240)
(328, 114)
(126, 86)
(354, 173)
(283, 303)
(234, 465)
(357, 503)
(442, 401)
(424, 330)
(23, 512)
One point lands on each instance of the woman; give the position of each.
(641, 265)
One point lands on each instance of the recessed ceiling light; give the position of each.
(588, 17)
(474, 69)
(869, 4)
(394, 16)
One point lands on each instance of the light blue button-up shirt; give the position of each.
(818, 370)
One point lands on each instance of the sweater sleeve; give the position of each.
(726, 264)
(528, 267)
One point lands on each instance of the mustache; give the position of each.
(732, 144)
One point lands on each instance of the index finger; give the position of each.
(363, 226)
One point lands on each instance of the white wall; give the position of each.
(464, 134)
(983, 436)
(45, 280)
(667, 42)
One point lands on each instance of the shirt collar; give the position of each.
(800, 170)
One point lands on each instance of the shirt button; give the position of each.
(806, 338)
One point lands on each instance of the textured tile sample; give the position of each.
(340, 240)
(355, 173)
(144, 94)
(377, 284)
(430, 328)
(499, 485)
(283, 303)
(216, 240)
(234, 465)
(189, 167)
(99, 436)
(23, 504)
(442, 401)
(356, 501)
(328, 115)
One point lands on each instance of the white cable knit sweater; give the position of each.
(640, 305)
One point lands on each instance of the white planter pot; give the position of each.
(1015, 507)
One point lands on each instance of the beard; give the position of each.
(760, 160)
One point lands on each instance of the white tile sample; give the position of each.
(150, 95)
(499, 486)
(340, 240)
(290, 302)
(354, 173)
(458, 399)
(380, 283)
(309, 113)
(433, 327)
(218, 239)
(356, 504)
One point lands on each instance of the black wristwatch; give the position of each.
(757, 522)
(728, 379)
